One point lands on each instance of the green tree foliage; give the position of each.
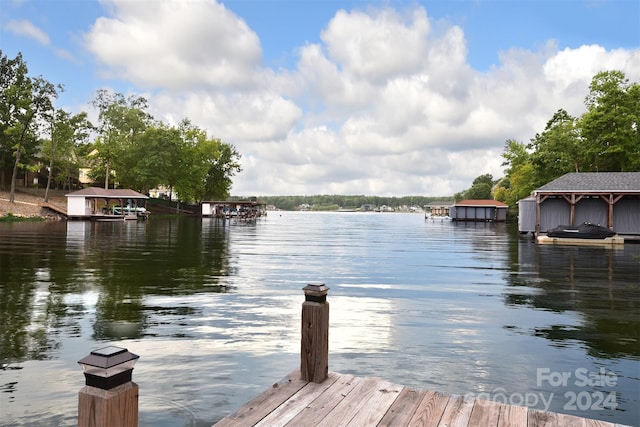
(66, 133)
(222, 164)
(13, 72)
(25, 103)
(149, 158)
(120, 123)
(605, 138)
(130, 149)
(142, 154)
(557, 150)
(480, 189)
(610, 125)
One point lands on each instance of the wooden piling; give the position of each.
(108, 408)
(314, 352)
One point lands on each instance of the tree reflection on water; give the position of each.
(599, 283)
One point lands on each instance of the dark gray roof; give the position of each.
(118, 193)
(593, 182)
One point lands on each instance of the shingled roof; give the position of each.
(118, 193)
(594, 182)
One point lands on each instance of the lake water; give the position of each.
(214, 312)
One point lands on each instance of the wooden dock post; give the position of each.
(314, 352)
(109, 397)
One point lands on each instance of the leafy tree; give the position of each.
(187, 166)
(67, 131)
(515, 155)
(484, 179)
(479, 191)
(25, 101)
(222, 164)
(559, 149)
(151, 157)
(605, 138)
(13, 72)
(121, 121)
(610, 125)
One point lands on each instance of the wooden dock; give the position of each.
(345, 400)
(55, 208)
(312, 396)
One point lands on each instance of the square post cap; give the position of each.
(316, 292)
(108, 367)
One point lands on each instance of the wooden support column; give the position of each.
(538, 201)
(108, 408)
(314, 352)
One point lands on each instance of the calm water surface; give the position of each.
(213, 311)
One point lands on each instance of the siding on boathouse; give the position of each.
(610, 199)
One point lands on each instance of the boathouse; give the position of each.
(100, 203)
(479, 210)
(610, 199)
(439, 208)
(241, 209)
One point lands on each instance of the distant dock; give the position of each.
(312, 396)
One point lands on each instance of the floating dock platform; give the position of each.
(615, 241)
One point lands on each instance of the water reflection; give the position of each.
(214, 310)
(599, 283)
(53, 274)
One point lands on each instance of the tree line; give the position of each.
(126, 148)
(327, 202)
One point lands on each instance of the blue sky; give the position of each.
(336, 97)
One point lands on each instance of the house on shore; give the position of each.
(479, 210)
(610, 199)
(105, 204)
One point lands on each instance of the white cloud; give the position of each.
(175, 44)
(377, 46)
(27, 29)
(384, 104)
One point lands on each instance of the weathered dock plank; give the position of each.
(542, 419)
(292, 407)
(356, 401)
(485, 413)
(315, 412)
(383, 395)
(512, 416)
(403, 408)
(430, 410)
(348, 401)
(457, 412)
(265, 403)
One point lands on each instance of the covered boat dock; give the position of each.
(238, 209)
(608, 199)
(102, 204)
(479, 210)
